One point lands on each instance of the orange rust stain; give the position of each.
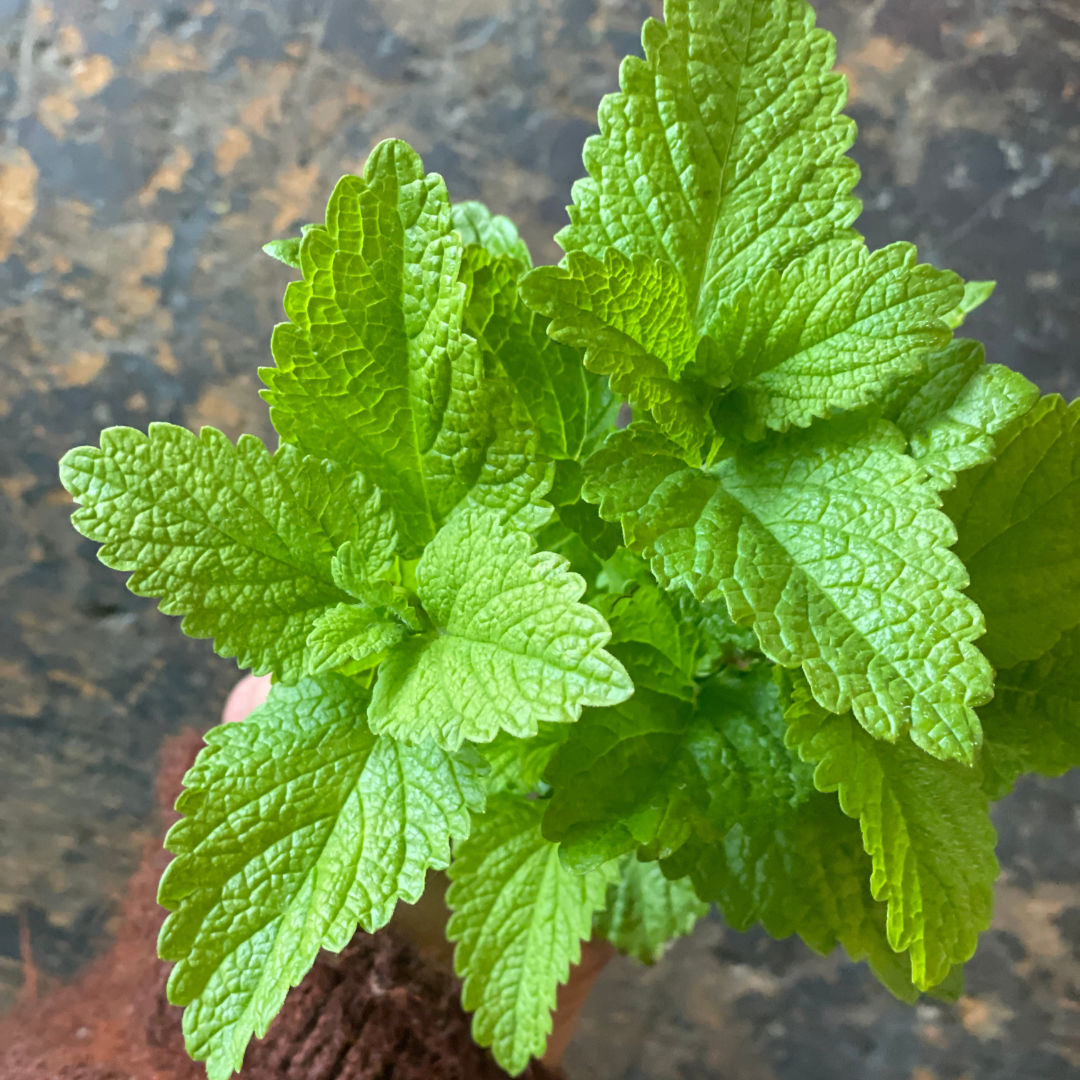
(18, 197)
(265, 109)
(56, 111)
(80, 368)
(105, 328)
(91, 74)
(882, 54)
(165, 358)
(137, 402)
(292, 195)
(233, 145)
(169, 175)
(61, 264)
(69, 40)
(165, 54)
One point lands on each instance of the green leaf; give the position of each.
(630, 316)
(1018, 520)
(951, 411)
(804, 872)
(645, 911)
(571, 408)
(976, 293)
(350, 636)
(374, 369)
(495, 233)
(626, 776)
(518, 919)
(666, 639)
(768, 847)
(300, 824)
(286, 251)
(832, 332)
(517, 765)
(512, 648)
(1033, 723)
(724, 153)
(830, 543)
(237, 541)
(926, 826)
(835, 331)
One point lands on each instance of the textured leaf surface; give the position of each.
(495, 233)
(830, 542)
(645, 911)
(1018, 520)
(951, 410)
(926, 826)
(666, 639)
(769, 847)
(513, 647)
(300, 824)
(349, 635)
(237, 541)
(571, 408)
(837, 328)
(518, 919)
(723, 153)
(625, 776)
(631, 319)
(1033, 723)
(374, 369)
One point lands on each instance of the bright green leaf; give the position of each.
(349, 636)
(976, 293)
(626, 776)
(630, 317)
(518, 919)
(768, 847)
(645, 911)
(237, 541)
(374, 369)
(1019, 520)
(571, 408)
(834, 331)
(830, 542)
(300, 824)
(513, 646)
(925, 825)
(724, 153)
(952, 410)
(495, 233)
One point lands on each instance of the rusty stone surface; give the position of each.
(150, 146)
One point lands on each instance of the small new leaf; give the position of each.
(300, 824)
(513, 647)
(518, 919)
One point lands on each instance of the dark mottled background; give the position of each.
(150, 147)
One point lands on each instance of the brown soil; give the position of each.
(377, 1010)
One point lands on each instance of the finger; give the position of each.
(248, 694)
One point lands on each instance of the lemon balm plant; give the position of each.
(774, 646)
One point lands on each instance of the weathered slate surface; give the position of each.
(151, 146)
